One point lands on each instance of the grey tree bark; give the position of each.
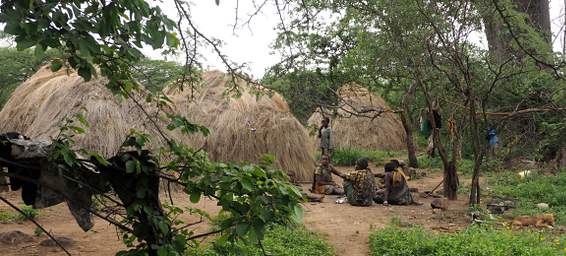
(538, 12)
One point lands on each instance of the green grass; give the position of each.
(279, 240)
(475, 240)
(348, 156)
(6, 92)
(426, 162)
(533, 190)
(10, 216)
(465, 166)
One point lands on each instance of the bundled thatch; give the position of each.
(39, 106)
(246, 127)
(351, 131)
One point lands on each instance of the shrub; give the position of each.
(465, 166)
(348, 156)
(28, 213)
(13, 216)
(279, 240)
(532, 190)
(8, 217)
(473, 241)
(37, 231)
(430, 163)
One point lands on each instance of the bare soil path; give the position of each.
(345, 227)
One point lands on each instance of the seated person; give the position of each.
(323, 182)
(396, 190)
(310, 197)
(359, 184)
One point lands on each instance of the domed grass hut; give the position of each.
(245, 127)
(384, 132)
(39, 106)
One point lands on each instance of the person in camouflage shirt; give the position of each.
(359, 184)
(323, 182)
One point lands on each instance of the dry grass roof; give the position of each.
(246, 127)
(38, 107)
(349, 131)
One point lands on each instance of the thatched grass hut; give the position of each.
(246, 127)
(38, 107)
(357, 132)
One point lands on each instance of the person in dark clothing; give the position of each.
(325, 135)
(492, 142)
(431, 148)
(437, 118)
(396, 189)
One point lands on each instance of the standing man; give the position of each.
(325, 135)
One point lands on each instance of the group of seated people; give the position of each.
(359, 185)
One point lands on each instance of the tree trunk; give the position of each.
(561, 159)
(451, 176)
(450, 183)
(478, 155)
(457, 148)
(495, 39)
(564, 32)
(538, 12)
(411, 149)
(456, 137)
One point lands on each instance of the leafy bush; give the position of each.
(348, 156)
(474, 241)
(16, 217)
(279, 240)
(534, 189)
(8, 217)
(430, 163)
(6, 92)
(465, 166)
(28, 213)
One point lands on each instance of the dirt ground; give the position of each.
(345, 227)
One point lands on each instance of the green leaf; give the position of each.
(81, 118)
(23, 44)
(157, 39)
(162, 251)
(242, 229)
(172, 40)
(99, 159)
(130, 166)
(85, 73)
(39, 52)
(252, 235)
(56, 65)
(195, 197)
(246, 184)
(163, 227)
(69, 157)
(298, 213)
(140, 193)
(77, 129)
